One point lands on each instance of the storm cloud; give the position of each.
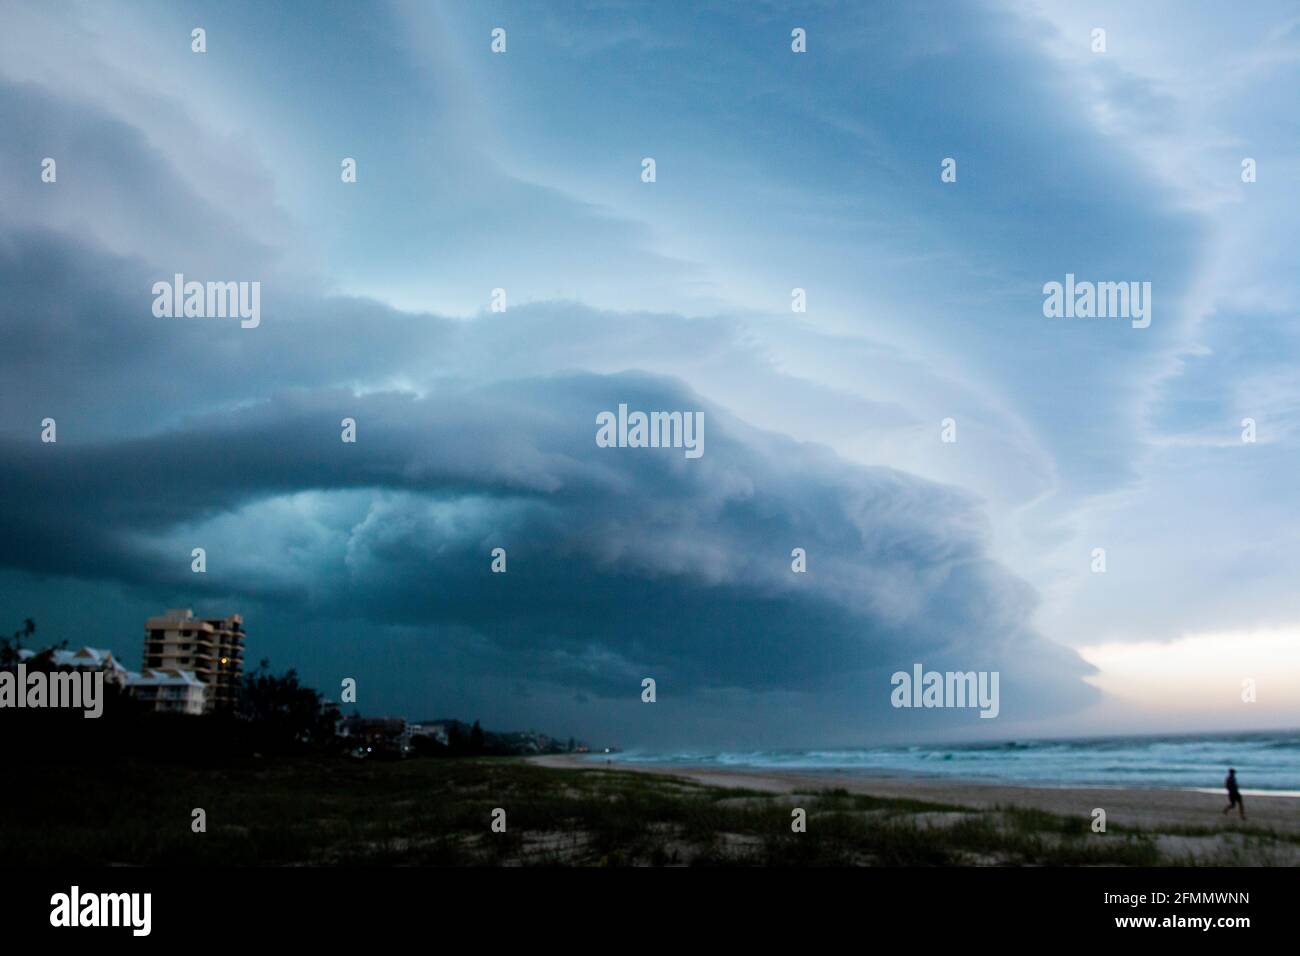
(473, 433)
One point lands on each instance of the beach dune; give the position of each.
(1150, 809)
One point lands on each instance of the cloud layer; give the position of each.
(476, 429)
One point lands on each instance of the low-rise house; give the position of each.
(169, 690)
(85, 659)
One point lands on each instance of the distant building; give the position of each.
(169, 691)
(437, 731)
(212, 649)
(86, 659)
(376, 735)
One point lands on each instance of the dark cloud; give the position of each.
(623, 563)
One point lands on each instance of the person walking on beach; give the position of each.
(1234, 795)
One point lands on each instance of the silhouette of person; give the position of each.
(1234, 795)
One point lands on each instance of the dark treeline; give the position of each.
(471, 740)
(273, 715)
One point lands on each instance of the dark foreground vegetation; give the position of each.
(328, 810)
(276, 786)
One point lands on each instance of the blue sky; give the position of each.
(775, 170)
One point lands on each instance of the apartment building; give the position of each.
(212, 649)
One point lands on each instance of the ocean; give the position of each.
(1266, 762)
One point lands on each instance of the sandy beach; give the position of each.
(1150, 809)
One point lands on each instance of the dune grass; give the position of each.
(331, 810)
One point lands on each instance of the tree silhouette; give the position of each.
(10, 646)
(284, 713)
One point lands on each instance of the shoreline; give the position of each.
(1147, 808)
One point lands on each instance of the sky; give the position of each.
(522, 171)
